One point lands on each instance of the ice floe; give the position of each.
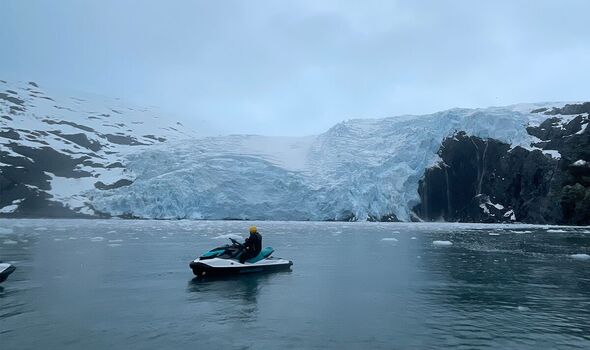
(442, 243)
(580, 256)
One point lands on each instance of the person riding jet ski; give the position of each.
(238, 258)
(252, 245)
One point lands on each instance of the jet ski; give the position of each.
(225, 261)
(5, 271)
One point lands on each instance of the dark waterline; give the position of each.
(94, 284)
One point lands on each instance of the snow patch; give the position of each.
(9, 209)
(553, 153)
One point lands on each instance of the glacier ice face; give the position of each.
(357, 169)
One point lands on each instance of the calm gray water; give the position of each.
(89, 284)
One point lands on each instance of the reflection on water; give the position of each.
(126, 284)
(228, 298)
(518, 285)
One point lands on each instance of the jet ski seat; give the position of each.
(264, 253)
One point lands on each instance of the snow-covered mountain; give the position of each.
(54, 150)
(124, 162)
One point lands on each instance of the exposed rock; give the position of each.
(81, 140)
(123, 140)
(484, 180)
(120, 183)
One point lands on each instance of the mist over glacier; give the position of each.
(359, 169)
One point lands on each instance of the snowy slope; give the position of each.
(358, 169)
(55, 149)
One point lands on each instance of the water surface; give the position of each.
(93, 284)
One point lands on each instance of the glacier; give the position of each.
(359, 169)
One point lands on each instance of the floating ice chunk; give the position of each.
(41, 229)
(114, 245)
(58, 239)
(442, 243)
(522, 308)
(493, 234)
(389, 239)
(556, 231)
(9, 241)
(580, 256)
(115, 240)
(413, 238)
(112, 231)
(5, 231)
(72, 238)
(97, 239)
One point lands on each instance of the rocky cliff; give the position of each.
(486, 180)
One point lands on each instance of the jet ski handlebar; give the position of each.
(236, 242)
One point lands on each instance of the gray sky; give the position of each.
(298, 67)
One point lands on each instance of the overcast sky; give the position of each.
(298, 67)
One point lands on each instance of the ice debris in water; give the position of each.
(10, 241)
(522, 308)
(556, 231)
(493, 234)
(442, 243)
(580, 256)
(97, 239)
(389, 239)
(115, 240)
(413, 238)
(41, 229)
(5, 231)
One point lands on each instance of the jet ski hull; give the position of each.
(5, 271)
(226, 267)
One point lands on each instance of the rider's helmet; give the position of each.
(253, 229)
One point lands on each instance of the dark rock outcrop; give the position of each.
(485, 180)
